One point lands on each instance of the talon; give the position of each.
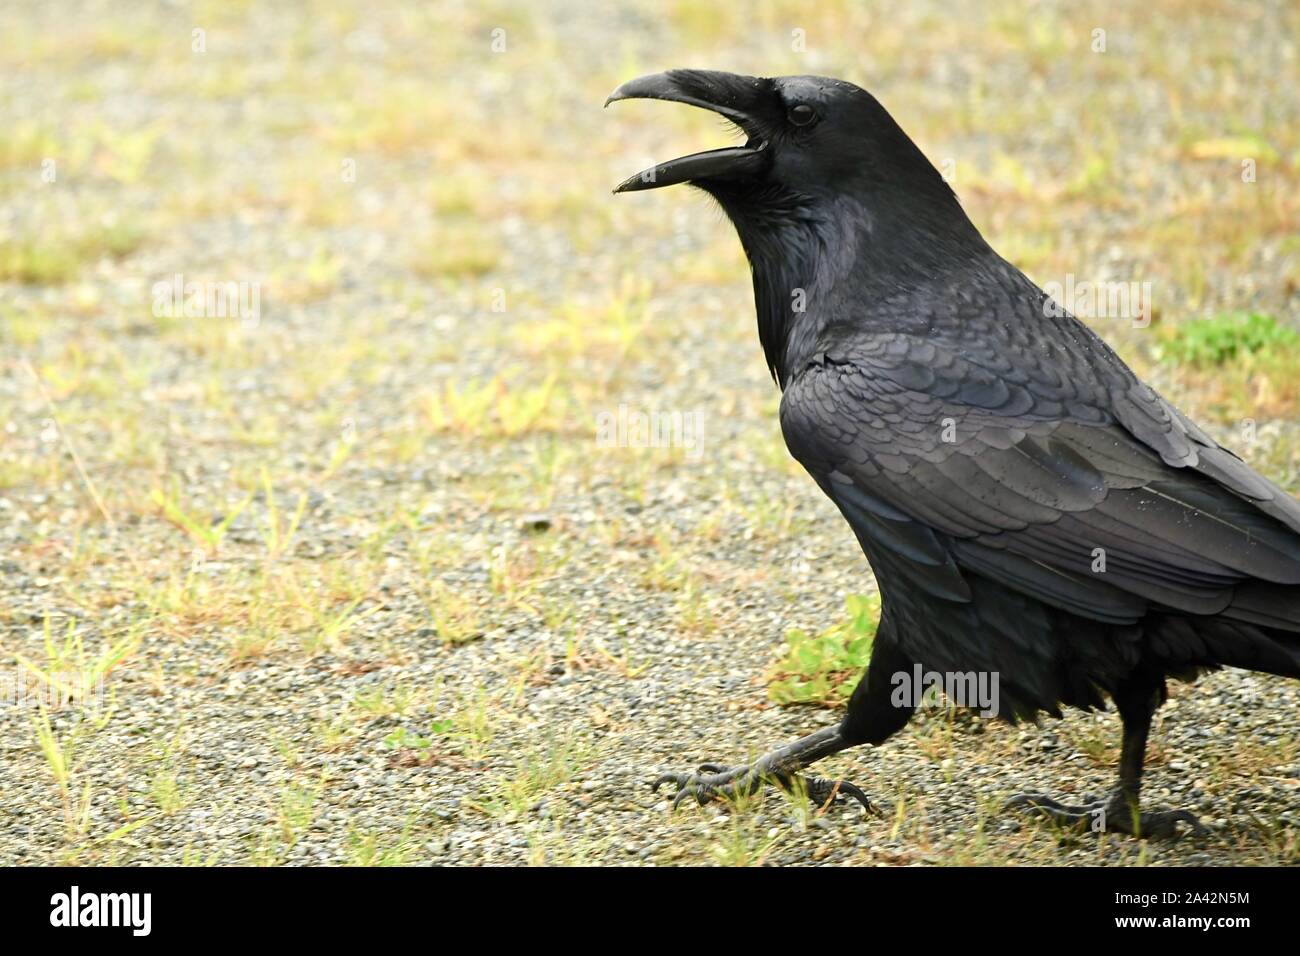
(854, 791)
(1040, 801)
(715, 781)
(702, 795)
(823, 791)
(679, 779)
(1113, 815)
(1165, 824)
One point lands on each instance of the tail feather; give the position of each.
(1222, 641)
(1267, 605)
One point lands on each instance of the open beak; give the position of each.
(727, 94)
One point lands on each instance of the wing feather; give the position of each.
(944, 473)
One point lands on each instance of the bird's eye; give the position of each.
(802, 115)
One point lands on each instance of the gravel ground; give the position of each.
(362, 585)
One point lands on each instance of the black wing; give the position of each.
(1101, 501)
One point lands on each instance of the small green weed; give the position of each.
(824, 668)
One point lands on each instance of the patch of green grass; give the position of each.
(209, 536)
(397, 700)
(464, 194)
(296, 809)
(551, 764)
(1229, 337)
(367, 849)
(606, 328)
(403, 739)
(26, 145)
(461, 252)
(1238, 367)
(52, 261)
(499, 407)
(1234, 148)
(744, 841)
(824, 668)
(308, 280)
(455, 617)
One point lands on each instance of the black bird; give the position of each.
(1030, 508)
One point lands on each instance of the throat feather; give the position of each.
(791, 259)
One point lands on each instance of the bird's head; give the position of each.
(833, 203)
(808, 138)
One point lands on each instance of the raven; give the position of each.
(1030, 508)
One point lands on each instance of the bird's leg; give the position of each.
(1120, 811)
(871, 718)
(779, 767)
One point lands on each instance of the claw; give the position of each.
(714, 781)
(1111, 815)
(702, 796)
(1041, 801)
(679, 779)
(823, 792)
(1164, 823)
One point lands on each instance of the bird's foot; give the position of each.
(1113, 814)
(718, 782)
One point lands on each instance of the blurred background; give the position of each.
(314, 549)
